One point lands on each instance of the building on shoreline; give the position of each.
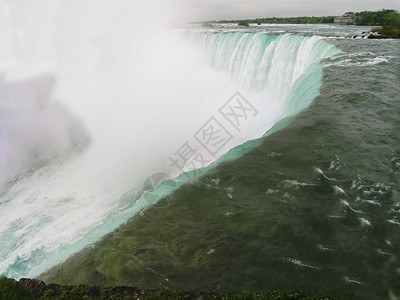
(346, 19)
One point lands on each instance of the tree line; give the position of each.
(373, 18)
(388, 18)
(287, 20)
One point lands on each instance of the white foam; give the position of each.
(393, 222)
(230, 189)
(381, 252)
(300, 263)
(365, 222)
(210, 251)
(373, 202)
(338, 190)
(323, 248)
(294, 184)
(352, 281)
(320, 172)
(346, 204)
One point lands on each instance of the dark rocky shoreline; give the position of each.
(34, 289)
(372, 35)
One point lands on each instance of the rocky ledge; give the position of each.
(32, 289)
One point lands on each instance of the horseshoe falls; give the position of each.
(152, 156)
(58, 201)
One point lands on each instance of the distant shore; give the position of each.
(385, 22)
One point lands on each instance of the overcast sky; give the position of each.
(240, 9)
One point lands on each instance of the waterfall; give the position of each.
(107, 111)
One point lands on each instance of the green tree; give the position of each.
(372, 18)
(392, 20)
(391, 25)
(243, 23)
